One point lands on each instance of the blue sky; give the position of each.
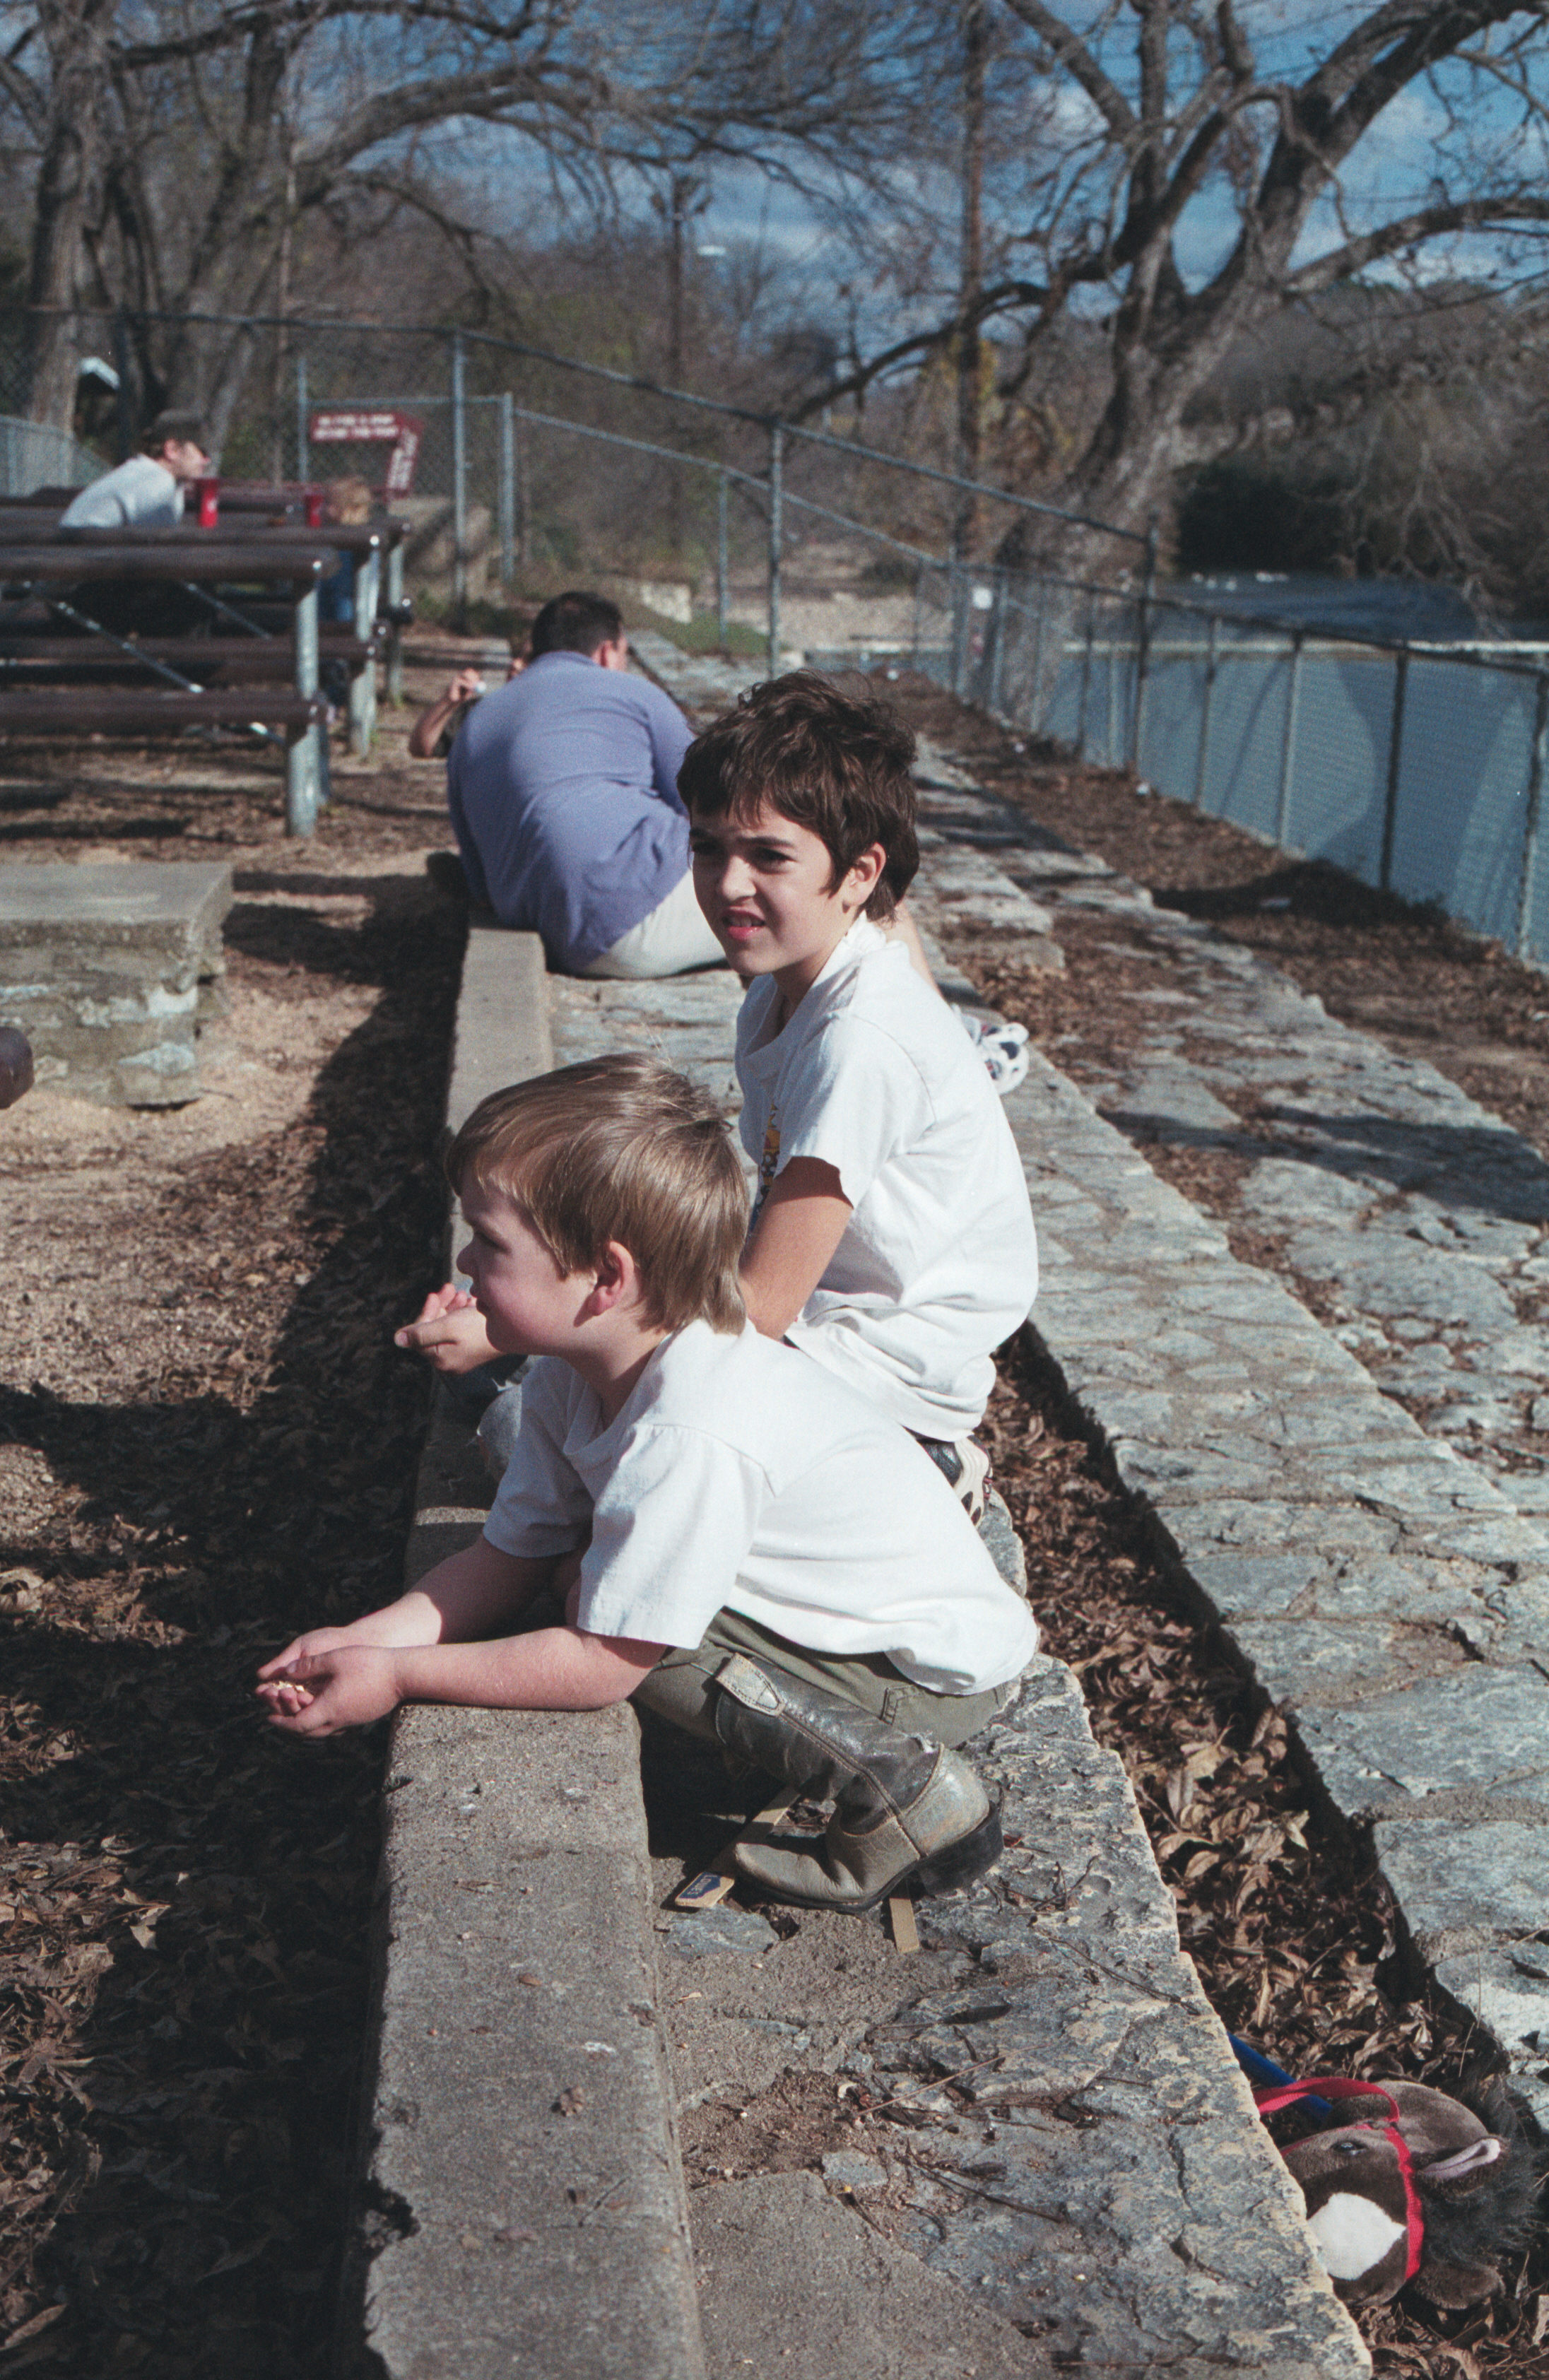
(1395, 167)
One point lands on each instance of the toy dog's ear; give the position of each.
(1456, 2285)
(1463, 2162)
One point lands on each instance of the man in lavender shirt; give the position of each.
(564, 793)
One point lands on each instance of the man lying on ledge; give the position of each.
(564, 793)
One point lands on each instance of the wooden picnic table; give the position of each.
(298, 565)
(375, 547)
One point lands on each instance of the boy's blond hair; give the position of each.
(620, 1149)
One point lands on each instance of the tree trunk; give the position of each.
(67, 182)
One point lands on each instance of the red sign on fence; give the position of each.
(374, 425)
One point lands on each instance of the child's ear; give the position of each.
(866, 871)
(617, 1278)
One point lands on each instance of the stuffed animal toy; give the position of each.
(1412, 2185)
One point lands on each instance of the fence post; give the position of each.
(459, 486)
(1086, 674)
(507, 490)
(1395, 754)
(523, 495)
(1111, 746)
(1287, 747)
(1040, 617)
(1142, 644)
(998, 650)
(777, 471)
(124, 401)
(721, 573)
(1529, 832)
(303, 422)
(960, 626)
(1202, 765)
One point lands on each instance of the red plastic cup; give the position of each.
(314, 507)
(207, 495)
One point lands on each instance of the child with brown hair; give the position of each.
(892, 1239)
(764, 1558)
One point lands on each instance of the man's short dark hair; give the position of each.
(188, 429)
(577, 623)
(835, 762)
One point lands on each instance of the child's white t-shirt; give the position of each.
(939, 1263)
(740, 1476)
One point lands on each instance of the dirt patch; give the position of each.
(205, 1437)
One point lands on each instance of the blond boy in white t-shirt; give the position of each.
(892, 1239)
(764, 1558)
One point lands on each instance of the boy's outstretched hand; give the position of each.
(321, 1692)
(448, 1331)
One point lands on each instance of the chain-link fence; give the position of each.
(34, 455)
(1416, 767)
(527, 459)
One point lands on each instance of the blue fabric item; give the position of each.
(1264, 2071)
(336, 594)
(563, 793)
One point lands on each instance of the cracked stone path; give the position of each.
(1385, 1582)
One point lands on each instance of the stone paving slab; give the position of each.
(112, 971)
(1098, 2186)
(1389, 1587)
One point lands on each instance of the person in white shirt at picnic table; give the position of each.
(146, 489)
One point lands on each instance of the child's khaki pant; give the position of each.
(679, 1688)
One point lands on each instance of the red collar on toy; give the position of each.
(1282, 2096)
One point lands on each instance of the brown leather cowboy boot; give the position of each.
(907, 1810)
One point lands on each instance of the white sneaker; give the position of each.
(1002, 1047)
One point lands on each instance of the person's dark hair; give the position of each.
(577, 623)
(835, 762)
(187, 427)
(620, 1147)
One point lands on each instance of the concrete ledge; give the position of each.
(522, 2106)
(524, 2195)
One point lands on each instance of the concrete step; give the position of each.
(112, 971)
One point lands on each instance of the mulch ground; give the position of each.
(183, 1904)
(184, 1901)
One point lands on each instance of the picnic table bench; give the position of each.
(375, 547)
(294, 563)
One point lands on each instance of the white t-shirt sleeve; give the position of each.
(853, 1097)
(541, 1507)
(671, 1531)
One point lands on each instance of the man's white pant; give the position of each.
(673, 939)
